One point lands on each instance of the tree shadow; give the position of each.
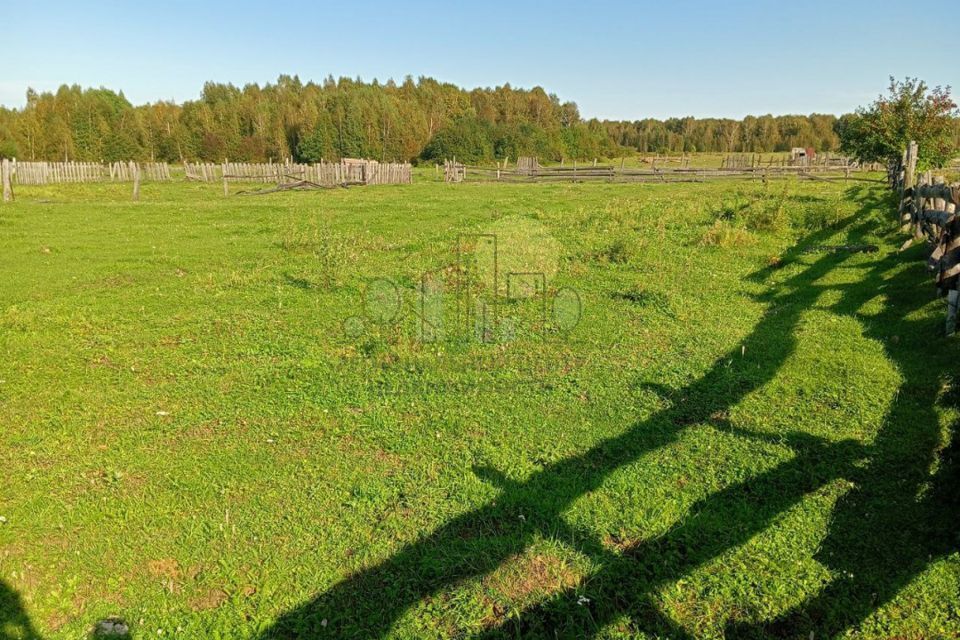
(368, 603)
(14, 622)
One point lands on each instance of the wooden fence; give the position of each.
(824, 160)
(529, 169)
(323, 173)
(928, 208)
(155, 171)
(453, 171)
(78, 172)
(576, 172)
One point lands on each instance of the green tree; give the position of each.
(467, 139)
(909, 111)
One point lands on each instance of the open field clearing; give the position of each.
(214, 427)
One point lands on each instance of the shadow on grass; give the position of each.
(14, 622)
(897, 538)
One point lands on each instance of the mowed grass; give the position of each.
(739, 437)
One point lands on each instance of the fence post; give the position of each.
(952, 302)
(135, 174)
(7, 188)
(909, 182)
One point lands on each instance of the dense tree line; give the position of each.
(752, 134)
(422, 119)
(332, 119)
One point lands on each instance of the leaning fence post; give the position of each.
(7, 188)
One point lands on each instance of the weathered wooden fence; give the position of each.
(323, 173)
(453, 171)
(577, 172)
(821, 161)
(928, 208)
(27, 173)
(154, 171)
(528, 166)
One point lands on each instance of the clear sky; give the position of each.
(616, 59)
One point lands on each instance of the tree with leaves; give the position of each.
(910, 111)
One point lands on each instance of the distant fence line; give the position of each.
(530, 170)
(75, 172)
(322, 173)
(824, 160)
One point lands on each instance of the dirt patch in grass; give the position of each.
(210, 599)
(167, 570)
(164, 568)
(531, 577)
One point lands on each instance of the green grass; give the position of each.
(739, 438)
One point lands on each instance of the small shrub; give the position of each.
(645, 298)
(755, 211)
(331, 250)
(770, 218)
(725, 234)
(620, 251)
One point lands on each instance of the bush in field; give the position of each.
(909, 111)
(724, 233)
(8, 149)
(620, 251)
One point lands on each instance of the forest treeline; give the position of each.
(413, 120)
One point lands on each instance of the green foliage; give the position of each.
(8, 148)
(752, 134)
(466, 139)
(909, 111)
(420, 118)
(320, 142)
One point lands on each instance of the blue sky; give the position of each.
(616, 59)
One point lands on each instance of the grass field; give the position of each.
(212, 430)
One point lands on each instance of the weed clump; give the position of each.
(331, 251)
(620, 251)
(726, 234)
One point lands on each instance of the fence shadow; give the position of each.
(14, 622)
(901, 515)
(368, 603)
